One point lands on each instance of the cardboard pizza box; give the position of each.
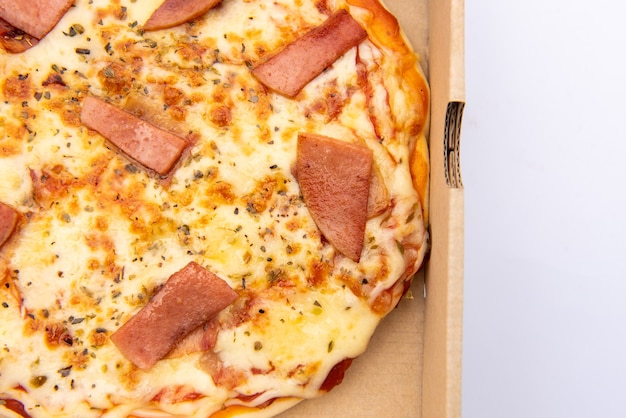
(412, 367)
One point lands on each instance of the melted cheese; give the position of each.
(101, 234)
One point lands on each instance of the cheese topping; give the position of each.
(101, 234)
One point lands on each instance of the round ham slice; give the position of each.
(175, 12)
(35, 17)
(8, 221)
(189, 298)
(334, 178)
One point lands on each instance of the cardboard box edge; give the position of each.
(443, 317)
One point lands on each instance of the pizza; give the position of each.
(206, 208)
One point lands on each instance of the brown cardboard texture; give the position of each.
(412, 367)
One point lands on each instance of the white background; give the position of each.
(543, 157)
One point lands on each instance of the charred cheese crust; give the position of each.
(99, 234)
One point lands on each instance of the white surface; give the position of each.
(543, 156)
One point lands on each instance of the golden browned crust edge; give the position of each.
(385, 32)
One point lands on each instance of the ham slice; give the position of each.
(35, 17)
(175, 12)
(189, 298)
(145, 143)
(334, 178)
(8, 221)
(14, 40)
(151, 111)
(202, 338)
(378, 200)
(288, 71)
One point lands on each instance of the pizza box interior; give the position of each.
(412, 367)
